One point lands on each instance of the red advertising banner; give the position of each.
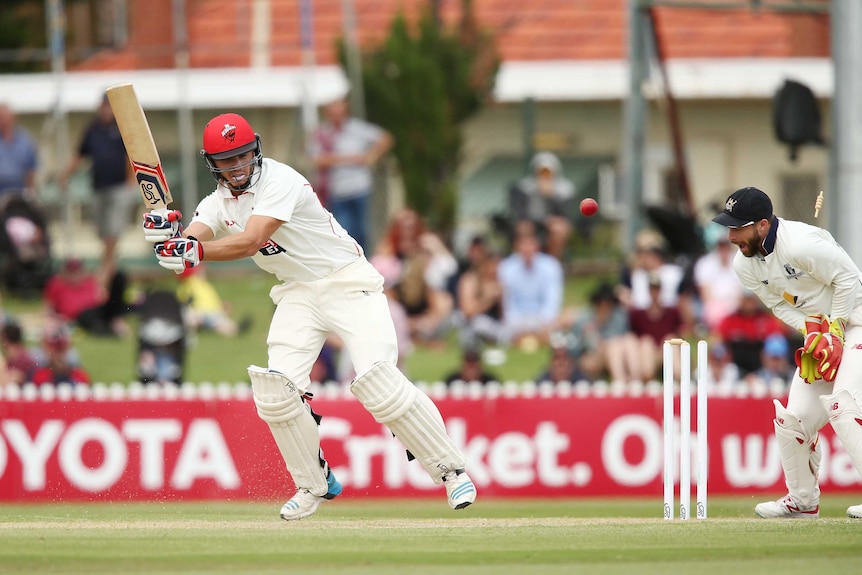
(515, 446)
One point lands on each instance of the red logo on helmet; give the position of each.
(228, 133)
(833, 406)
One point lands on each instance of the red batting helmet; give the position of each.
(226, 136)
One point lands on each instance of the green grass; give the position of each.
(214, 358)
(604, 536)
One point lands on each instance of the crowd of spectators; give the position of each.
(492, 301)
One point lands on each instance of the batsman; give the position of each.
(810, 283)
(266, 210)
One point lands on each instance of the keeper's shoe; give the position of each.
(787, 508)
(459, 489)
(855, 511)
(304, 503)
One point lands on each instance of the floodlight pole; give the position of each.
(634, 126)
(845, 165)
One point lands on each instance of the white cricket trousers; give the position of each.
(349, 303)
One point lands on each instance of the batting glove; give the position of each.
(162, 225)
(179, 254)
(830, 349)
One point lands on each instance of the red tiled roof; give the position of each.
(219, 31)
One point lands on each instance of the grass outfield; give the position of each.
(602, 536)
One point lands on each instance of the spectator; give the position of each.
(775, 362)
(546, 198)
(57, 367)
(718, 287)
(425, 267)
(532, 284)
(745, 330)
(203, 308)
(75, 295)
(676, 287)
(344, 150)
(115, 195)
(563, 366)
(390, 269)
(471, 369)
(18, 156)
(652, 326)
(602, 341)
(721, 371)
(20, 363)
(480, 303)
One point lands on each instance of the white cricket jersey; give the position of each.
(805, 272)
(309, 245)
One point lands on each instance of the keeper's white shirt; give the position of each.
(805, 272)
(310, 245)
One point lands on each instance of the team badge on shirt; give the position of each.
(270, 248)
(792, 274)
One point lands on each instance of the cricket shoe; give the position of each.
(459, 489)
(305, 503)
(787, 508)
(855, 511)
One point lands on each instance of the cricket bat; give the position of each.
(140, 147)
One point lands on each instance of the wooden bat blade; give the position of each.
(140, 146)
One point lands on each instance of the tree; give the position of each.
(421, 84)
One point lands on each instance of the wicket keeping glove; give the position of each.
(808, 368)
(162, 225)
(815, 325)
(178, 254)
(830, 348)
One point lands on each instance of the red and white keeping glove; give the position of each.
(162, 225)
(179, 254)
(830, 348)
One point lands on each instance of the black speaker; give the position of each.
(796, 116)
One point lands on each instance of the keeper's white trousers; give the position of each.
(349, 303)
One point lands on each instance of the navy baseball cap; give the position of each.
(744, 207)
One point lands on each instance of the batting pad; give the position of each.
(280, 404)
(411, 415)
(846, 419)
(800, 457)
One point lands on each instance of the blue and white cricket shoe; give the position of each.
(459, 489)
(304, 503)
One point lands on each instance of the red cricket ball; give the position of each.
(589, 207)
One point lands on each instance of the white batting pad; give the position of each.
(411, 415)
(280, 404)
(846, 419)
(800, 457)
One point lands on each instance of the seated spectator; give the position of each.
(775, 362)
(602, 341)
(203, 308)
(390, 269)
(57, 368)
(677, 288)
(20, 363)
(480, 303)
(77, 296)
(718, 286)
(546, 198)
(471, 369)
(563, 366)
(426, 265)
(324, 369)
(721, 371)
(652, 326)
(745, 330)
(532, 284)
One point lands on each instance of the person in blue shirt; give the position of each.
(19, 157)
